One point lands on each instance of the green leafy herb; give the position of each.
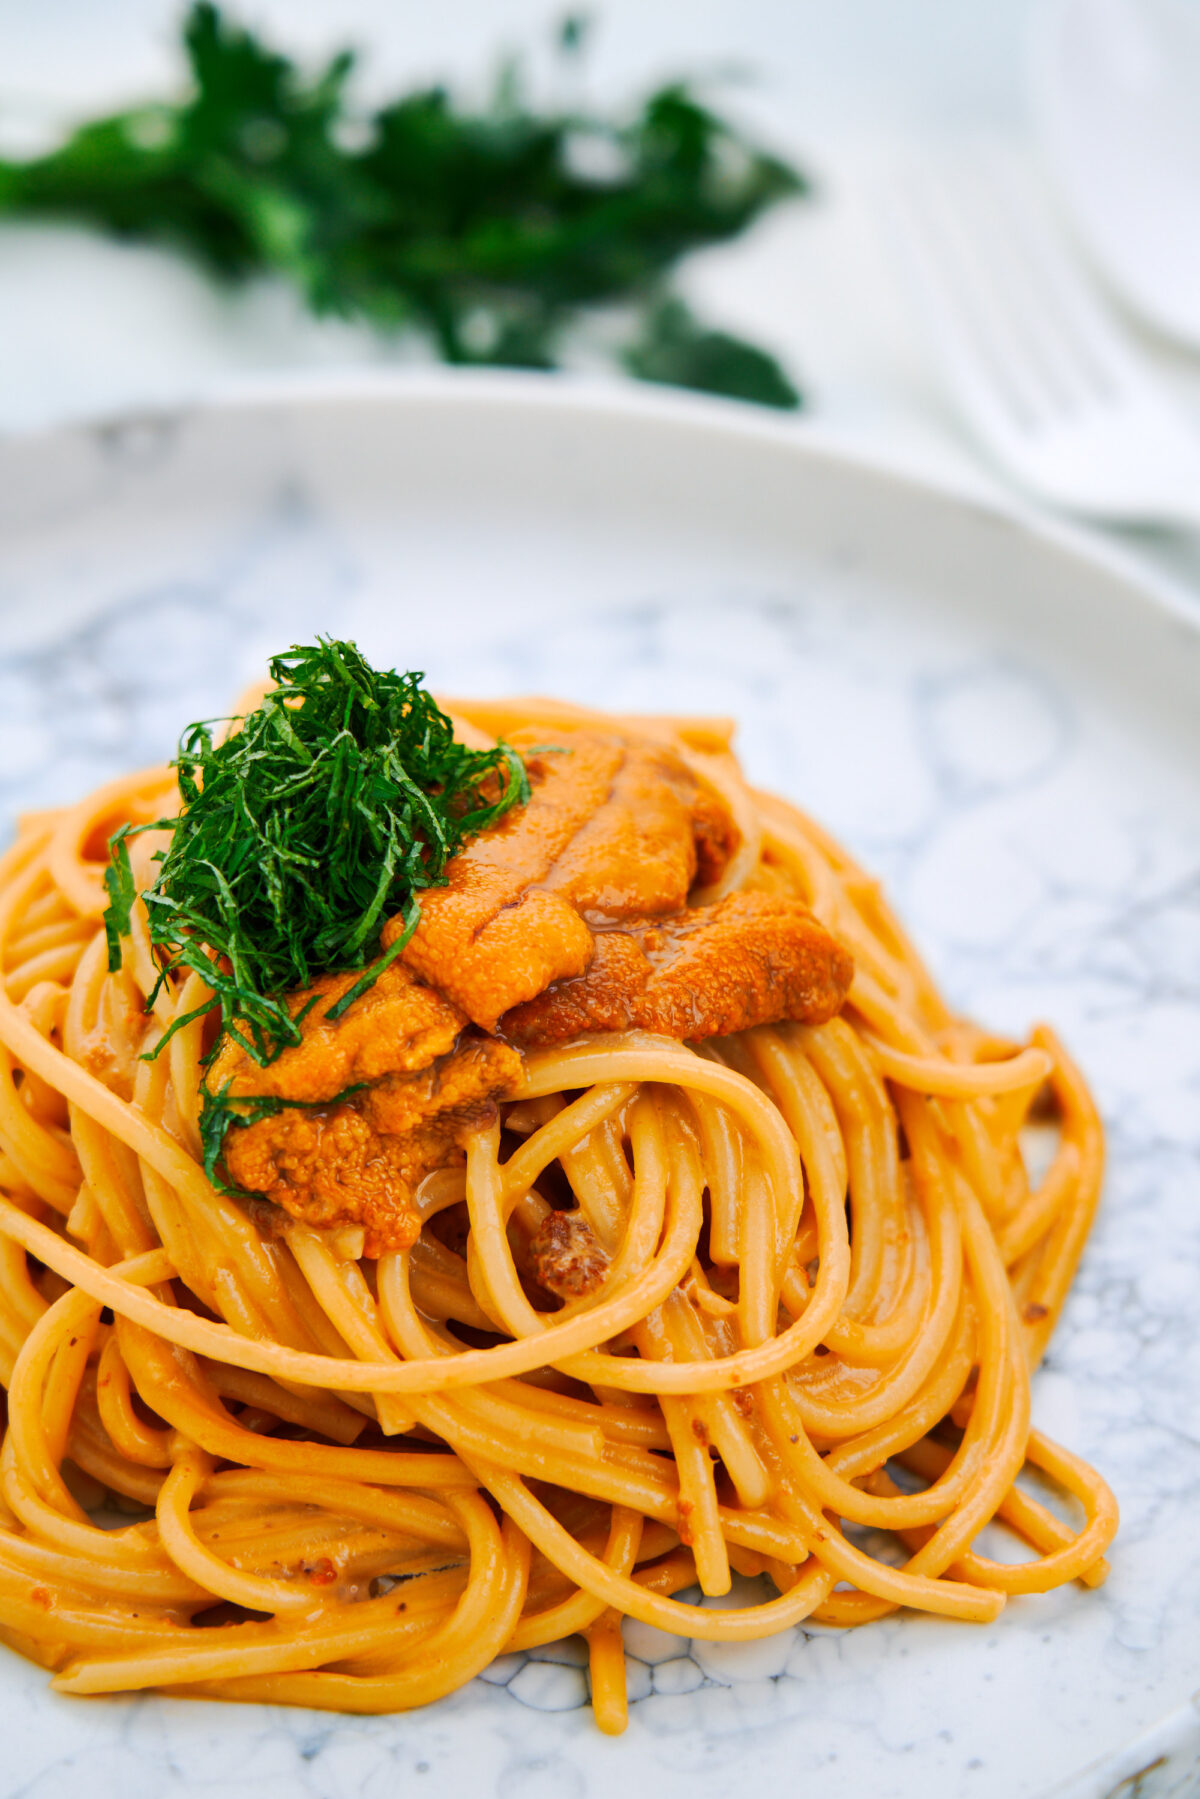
(320, 816)
(487, 229)
(678, 351)
(119, 884)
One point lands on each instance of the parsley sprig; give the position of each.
(319, 816)
(485, 227)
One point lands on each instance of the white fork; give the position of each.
(1040, 372)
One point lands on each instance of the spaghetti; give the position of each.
(351, 1483)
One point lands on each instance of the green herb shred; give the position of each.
(319, 816)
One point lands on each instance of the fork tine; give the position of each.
(980, 235)
(1025, 290)
(982, 249)
(1031, 353)
(975, 333)
(1040, 368)
(1073, 319)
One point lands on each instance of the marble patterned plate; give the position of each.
(998, 718)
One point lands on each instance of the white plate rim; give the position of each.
(809, 439)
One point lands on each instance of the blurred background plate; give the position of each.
(1001, 720)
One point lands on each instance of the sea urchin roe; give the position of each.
(753, 958)
(360, 1160)
(334, 1157)
(397, 1027)
(616, 827)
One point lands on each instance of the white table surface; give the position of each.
(90, 326)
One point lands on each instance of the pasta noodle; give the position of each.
(352, 1484)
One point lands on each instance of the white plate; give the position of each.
(1001, 723)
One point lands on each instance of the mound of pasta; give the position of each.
(620, 1207)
